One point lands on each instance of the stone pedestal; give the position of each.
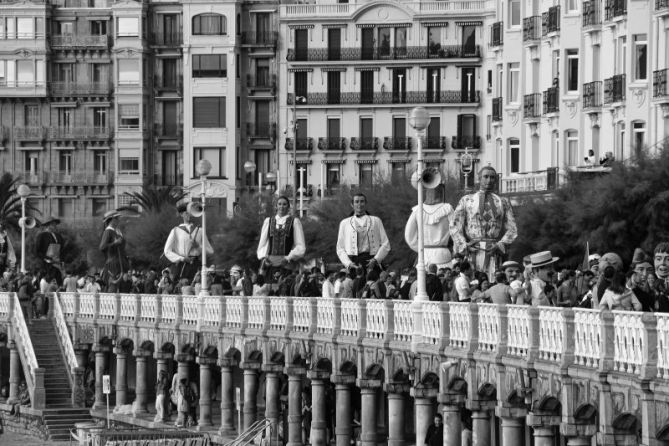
(295, 375)
(250, 409)
(368, 411)
(579, 441)
(100, 367)
(227, 401)
(480, 428)
(453, 425)
(513, 432)
(543, 435)
(14, 373)
(121, 381)
(343, 412)
(205, 392)
(140, 383)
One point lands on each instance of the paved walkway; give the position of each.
(12, 439)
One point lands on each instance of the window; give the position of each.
(400, 42)
(334, 87)
(65, 207)
(209, 112)
(433, 140)
(333, 175)
(556, 65)
(25, 28)
(640, 57)
(215, 155)
(128, 115)
(366, 134)
(210, 65)
(128, 165)
(25, 73)
(621, 56)
(100, 117)
(434, 40)
(366, 173)
(301, 84)
(399, 171)
(209, 24)
(572, 5)
(127, 27)
(399, 85)
(32, 116)
(639, 135)
(65, 72)
(572, 148)
(262, 73)
(65, 28)
(384, 42)
(99, 206)
(500, 79)
(98, 27)
(128, 71)
(433, 84)
(99, 72)
(514, 155)
(100, 162)
(513, 86)
(572, 70)
(31, 163)
(65, 118)
(65, 162)
(514, 12)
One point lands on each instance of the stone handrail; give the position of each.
(301, 314)
(403, 318)
(68, 302)
(21, 336)
(551, 334)
(420, 7)
(64, 337)
(88, 305)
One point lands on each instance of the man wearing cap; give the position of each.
(362, 239)
(281, 238)
(112, 245)
(541, 275)
(184, 247)
(48, 246)
(641, 267)
(483, 225)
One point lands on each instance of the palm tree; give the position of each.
(10, 202)
(153, 199)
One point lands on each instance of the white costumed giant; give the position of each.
(436, 224)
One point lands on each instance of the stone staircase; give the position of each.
(59, 415)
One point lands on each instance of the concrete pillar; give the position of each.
(319, 432)
(453, 425)
(480, 428)
(205, 392)
(397, 401)
(182, 366)
(100, 367)
(579, 441)
(543, 435)
(273, 399)
(121, 381)
(250, 409)
(424, 413)
(141, 387)
(162, 365)
(14, 373)
(295, 375)
(227, 398)
(513, 432)
(343, 412)
(368, 411)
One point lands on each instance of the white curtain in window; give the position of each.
(25, 27)
(128, 71)
(11, 28)
(11, 73)
(128, 26)
(26, 72)
(216, 156)
(40, 71)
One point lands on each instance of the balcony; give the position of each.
(497, 109)
(660, 84)
(388, 98)
(100, 178)
(662, 6)
(30, 133)
(260, 38)
(385, 53)
(592, 15)
(303, 144)
(532, 29)
(263, 82)
(79, 42)
(540, 181)
(167, 180)
(397, 143)
(166, 39)
(335, 143)
(21, 89)
(592, 95)
(532, 107)
(615, 9)
(551, 100)
(31, 178)
(168, 132)
(79, 88)
(81, 3)
(550, 21)
(423, 8)
(79, 133)
(168, 83)
(614, 89)
(67, 177)
(462, 142)
(497, 34)
(435, 143)
(261, 131)
(371, 143)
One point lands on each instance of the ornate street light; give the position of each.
(466, 165)
(203, 168)
(23, 191)
(250, 167)
(270, 177)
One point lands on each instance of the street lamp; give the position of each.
(250, 167)
(270, 177)
(466, 165)
(203, 168)
(23, 191)
(298, 100)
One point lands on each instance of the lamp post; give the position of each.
(466, 165)
(203, 168)
(270, 177)
(301, 100)
(250, 167)
(23, 191)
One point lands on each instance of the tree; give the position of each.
(10, 202)
(154, 199)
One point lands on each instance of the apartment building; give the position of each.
(350, 73)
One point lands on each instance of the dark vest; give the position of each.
(280, 239)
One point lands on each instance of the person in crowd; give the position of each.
(236, 281)
(183, 247)
(182, 402)
(435, 432)
(261, 288)
(436, 227)
(405, 289)
(346, 291)
(378, 288)
(661, 264)
(618, 297)
(464, 285)
(92, 286)
(483, 225)
(7, 253)
(125, 284)
(608, 264)
(162, 398)
(23, 399)
(607, 160)
(391, 287)
(362, 240)
(500, 292)
(482, 285)
(541, 276)
(112, 244)
(281, 239)
(593, 263)
(329, 285)
(70, 282)
(340, 277)
(590, 160)
(25, 293)
(512, 271)
(434, 289)
(641, 268)
(567, 294)
(48, 246)
(165, 283)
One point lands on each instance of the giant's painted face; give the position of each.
(661, 260)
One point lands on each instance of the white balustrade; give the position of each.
(5, 299)
(64, 335)
(662, 345)
(376, 319)
(68, 304)
(128, 307)
(22, 337)
(551, 334)
(233, 312)
(431, 322)
(629, 338)
(518, 330)
(460, 324)
(256, 317)
(107, 305)
(325, 314)
(86, 306)
(301, 314)
(190, 307)
(489, 327)
(587, 337)
(278, 313)
(212, 311)
(350, 317)
(147, 308)
(403, 320)
(168, 310)
(423, 7)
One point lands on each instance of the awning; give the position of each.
(333, 161)
(366, 161)
(399, 160)
(367, 68)
(300, 26)
(435, 24)
(469, 23)
(300, 70)
(301, 161)
(326, 69)
(395, 25)
(334, 25)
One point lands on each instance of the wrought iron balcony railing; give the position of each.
(260, 38)
(661, 4)
(551, 99)
(332, 143)
(388, 97)
(168, 83)
(78, 133)
(32, 177)
(550, 20)
(79, 88)
(462, 142)
(614, 9)
(367, 143)
(78, 41)
(614, 89)
(592, 95)
(397, 143)
(303, 144)
(167, 38)
(81, 3)
(264, 131)
(592, 13)
(33, 133)
(660, 83)
(267, 81)
(497, 111)
(377, 53)
(532, 106)
(532, 29)
(497, 34)
(435, 143)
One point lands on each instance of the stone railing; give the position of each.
(294, 11)
(34, 376)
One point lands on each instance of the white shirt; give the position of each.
(436, 226)
(183, 240)
(328, 289)
(299, 245)
(365, 232)
(462, 287)
(337, 287)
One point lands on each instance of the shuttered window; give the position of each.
(210, 65)
(209, 112)
(209, 24)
